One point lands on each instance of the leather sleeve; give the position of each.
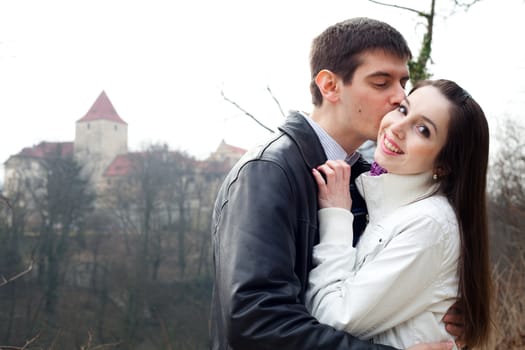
(254, 252)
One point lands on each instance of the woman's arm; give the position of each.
(389, 289)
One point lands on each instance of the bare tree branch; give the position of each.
(6, 201)
(101, 346)
(18, 275)
(164, 330)
(25, 347)
(105, 346)
(54, 340)
(422, 14)
(466, 6)
(276, 101)
(245, 112)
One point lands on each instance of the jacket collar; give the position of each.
(302, 134)
(385, 193)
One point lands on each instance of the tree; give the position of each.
(153, 201)
(12, 223)
(507, 189)
(507, 221)
(47, 202)
(418, 66)
(66, 203)
(62, 198)
(179, 195)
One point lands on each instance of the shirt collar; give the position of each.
(333, 150)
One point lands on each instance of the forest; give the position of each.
(128, 269)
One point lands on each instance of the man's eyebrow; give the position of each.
(386, 75)
(379, 74)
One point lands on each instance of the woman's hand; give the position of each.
(335, 191)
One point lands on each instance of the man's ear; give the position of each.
(328, 84)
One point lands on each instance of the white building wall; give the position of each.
(97, 143)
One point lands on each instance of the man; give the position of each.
(265, 218)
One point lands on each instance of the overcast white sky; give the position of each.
(164, 63)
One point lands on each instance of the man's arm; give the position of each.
(255, 249)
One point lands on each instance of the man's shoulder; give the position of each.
(294, 138)
(279, 149)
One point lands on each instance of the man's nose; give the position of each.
(398, 95)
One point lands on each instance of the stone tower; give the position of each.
(100, 136)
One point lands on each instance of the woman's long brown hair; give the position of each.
(463, 163)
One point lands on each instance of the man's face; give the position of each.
(377, 87)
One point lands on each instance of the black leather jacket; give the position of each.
(263, 230)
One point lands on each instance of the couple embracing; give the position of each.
(313, 248)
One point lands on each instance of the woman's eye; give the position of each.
(402, 109)
(423, 130)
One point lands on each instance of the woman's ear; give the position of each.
(441, 171)
(328, 84)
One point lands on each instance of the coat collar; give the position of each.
(385, 193)
(302, 134)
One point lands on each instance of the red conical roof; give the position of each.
(102, 109)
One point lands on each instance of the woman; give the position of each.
(426, 243)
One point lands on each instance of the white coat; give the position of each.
(396, 285)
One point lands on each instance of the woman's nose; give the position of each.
(398, 129)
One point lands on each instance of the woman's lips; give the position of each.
(390, 147)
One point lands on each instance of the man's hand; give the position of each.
(455, 323)
(444, 345)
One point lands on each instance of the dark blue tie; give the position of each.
(358, 203)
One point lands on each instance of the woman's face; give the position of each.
(411, 137)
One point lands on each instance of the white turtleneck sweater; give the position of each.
(397, 284)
